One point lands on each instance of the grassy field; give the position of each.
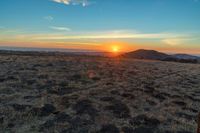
(81, 94)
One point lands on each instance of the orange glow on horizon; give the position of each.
(115, 49)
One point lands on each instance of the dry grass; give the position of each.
(73, 94)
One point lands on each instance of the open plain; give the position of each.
(83, 94)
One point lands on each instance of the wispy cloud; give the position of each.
(176, 41)
(60, 28)
(173, 42)
(171, 39)
(49, 18)
(73, 2)
(9, 31)
(109, 36)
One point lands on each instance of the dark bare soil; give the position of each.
(74, 94)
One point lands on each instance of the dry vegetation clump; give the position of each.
(81, 94)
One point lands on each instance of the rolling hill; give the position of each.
(155, 55)
(146, 54)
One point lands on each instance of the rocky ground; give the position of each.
(74, 94)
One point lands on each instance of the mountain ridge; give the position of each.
(156, 55)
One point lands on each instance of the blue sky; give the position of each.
(161, 24)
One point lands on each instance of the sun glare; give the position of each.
(115, 49)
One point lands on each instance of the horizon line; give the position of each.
(73, 50)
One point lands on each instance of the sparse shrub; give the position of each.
(96, 78)
(152, 103)
(107, 99)
(114, 92)
(185, 115)
(20, 107)
(143, 120)
(79, 125)
(10, 125)
(30, 81)
(62, 117)
(65, 101)
(109, 129)
(47, 125)
(183, 132)
(61, 90)
(180, 103)
(159, 96)
(46, 110)
(127, 130)
(85, 107)
(144, 130)
(120, 110)
(1, 120)
(76, 77)
(128, 95)
(2, 79)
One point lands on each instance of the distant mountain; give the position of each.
(146, 54)
(155, 55)
(185, 56)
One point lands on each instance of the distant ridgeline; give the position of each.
(138, 54)
(53, 53)
(155, 55)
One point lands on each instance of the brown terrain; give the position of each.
(82, 94)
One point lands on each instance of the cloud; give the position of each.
(60, 28)
(73, 2)
(66, 34)
(106, 35)
(172, 42)
(49, 18)
(175, 41)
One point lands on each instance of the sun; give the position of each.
(115, 49)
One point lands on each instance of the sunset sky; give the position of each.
(106, 25)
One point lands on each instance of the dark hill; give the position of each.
(185, 56)
(146, 54)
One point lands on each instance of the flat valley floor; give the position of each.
(82, 94)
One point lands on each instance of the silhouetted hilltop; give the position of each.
(155, 55)
(146, 54)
